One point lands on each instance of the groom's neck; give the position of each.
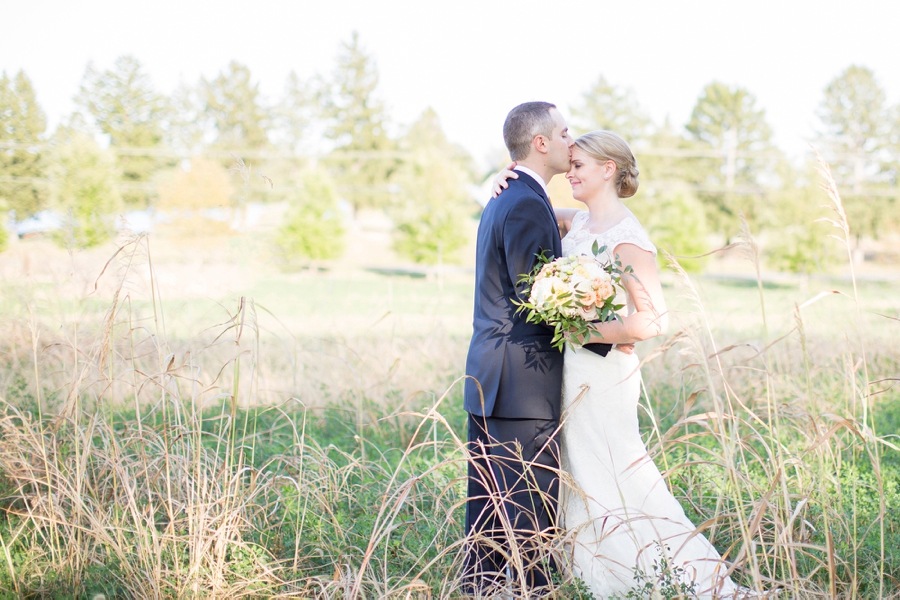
(537, 165)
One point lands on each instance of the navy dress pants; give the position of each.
(513, 490)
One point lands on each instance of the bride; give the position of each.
(617, 509)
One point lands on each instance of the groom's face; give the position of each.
(560, 145)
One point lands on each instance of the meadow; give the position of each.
(185, 418)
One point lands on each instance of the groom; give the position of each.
(513, 391)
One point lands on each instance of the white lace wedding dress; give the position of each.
(617, 508)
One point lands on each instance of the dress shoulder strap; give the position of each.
(579, 220)
(629, 231)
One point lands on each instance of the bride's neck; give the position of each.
(605, 208)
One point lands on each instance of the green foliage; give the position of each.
(295, 113)
(604, 106)
(572, 589)
(672, 165)
(728, 125)
(795, 241)
(355, 123)
(126, 107)
(314, 227)
(857, 127)
(796, 249)
(232, 101)
(83, 187)
(668, 581)
(676, 222)
(22, 121)
(187, 118)
(432, 215)
(4, 237)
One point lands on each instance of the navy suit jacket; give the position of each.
(519, 371)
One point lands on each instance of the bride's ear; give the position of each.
(609, 169)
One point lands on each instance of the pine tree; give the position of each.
(22, 123)
(233, 102)
(855, 138)
(432, 216)
(295, 113)
(355, 119)
(124, 105)
(726, 122)
(605, 106)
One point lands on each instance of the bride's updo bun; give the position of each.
(605, 145)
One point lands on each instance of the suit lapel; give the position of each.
(538, 188)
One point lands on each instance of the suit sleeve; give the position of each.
(526, 232)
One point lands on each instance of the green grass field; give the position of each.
(195, 421)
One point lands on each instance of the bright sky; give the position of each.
(474, 60)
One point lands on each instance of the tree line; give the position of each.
(218, 143)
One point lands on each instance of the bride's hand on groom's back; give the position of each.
(499, 183)
(626, 348)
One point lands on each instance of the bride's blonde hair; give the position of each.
(606, 145)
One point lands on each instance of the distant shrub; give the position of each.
(190, 194)
(676, 222)
(83, 187)
(433, 203)
(205, 184)
(314, 228)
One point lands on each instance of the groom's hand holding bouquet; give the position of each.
(572, 292)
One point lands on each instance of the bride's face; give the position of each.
(587, 175)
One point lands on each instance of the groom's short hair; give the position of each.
(523, 123)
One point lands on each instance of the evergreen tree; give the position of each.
(432, 216)
(855, 138)
(356, 125)
(189, 124)
(295, 113)
(726, 123)
(124, 105)
(234, 105)
(22, 123)
(670, 161)
(604, 106)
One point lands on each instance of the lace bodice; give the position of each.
(579, 240)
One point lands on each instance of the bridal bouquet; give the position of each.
(571, 292)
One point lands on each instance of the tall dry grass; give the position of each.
(247, 459)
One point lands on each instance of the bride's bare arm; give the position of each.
(651, 317)
(499, 184)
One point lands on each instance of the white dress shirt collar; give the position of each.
(534, 175)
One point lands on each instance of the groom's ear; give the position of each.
(539, 143)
